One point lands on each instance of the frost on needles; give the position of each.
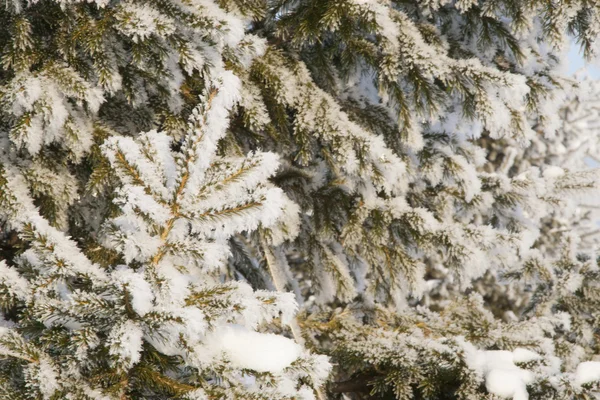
(161, 316)
(297, 199)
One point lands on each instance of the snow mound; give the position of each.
(587, 372)
(261, 352)
(502, 377)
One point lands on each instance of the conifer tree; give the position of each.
(297, 199)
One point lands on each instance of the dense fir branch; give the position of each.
(297, 199)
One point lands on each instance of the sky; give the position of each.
(576, 63)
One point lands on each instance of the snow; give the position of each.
(120, 150)
(132, 238)
(138, 288)
(587, 372)
(553, 172)
(134, 197)
(125, 341)
(197, 394)
(261, 352)
(47, 377)
(508, 383)
(141, 21)
(502, 377)
(55, 102)
(15, 284)
(521, 355)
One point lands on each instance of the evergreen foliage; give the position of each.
(297, 199)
